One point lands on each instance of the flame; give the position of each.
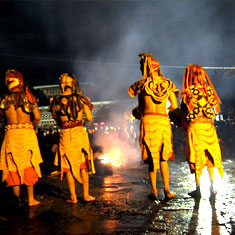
(113, 157)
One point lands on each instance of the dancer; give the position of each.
(153, 91)
(75, 152)
(198, 100)
(20, 154)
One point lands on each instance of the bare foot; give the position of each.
(72, 201)
(33, 203)
(213, 192)
(89, 199)
(169, 195)
(154, 192)
(196, 193)
(152, 196)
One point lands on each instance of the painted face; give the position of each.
(14, 80)
(67, 81)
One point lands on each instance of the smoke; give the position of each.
(175, 32)
(118, 140)
(99, 41)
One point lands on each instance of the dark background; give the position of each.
(99, 41)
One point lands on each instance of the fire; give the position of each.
(113, 157)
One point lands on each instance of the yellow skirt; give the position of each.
(19, 151)
(156, 139)
(203, 148)
(74, 149)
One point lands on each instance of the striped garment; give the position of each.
(155, 131)
(201, 139)
(74, 149)
(19, 151)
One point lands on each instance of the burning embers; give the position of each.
(113, 157)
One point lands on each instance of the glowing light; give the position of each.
(205, 182)
(113, 157)
(204, 217)
(105, 159)
(129, 116)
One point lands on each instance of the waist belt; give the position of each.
(156, 114)
(202, 119)
(70, 124)
(19, 126)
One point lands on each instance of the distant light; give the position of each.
(102, 123)
(95, 124)
(219, 117)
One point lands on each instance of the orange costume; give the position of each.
(20, 154)
(155, 128)
(197, 102)
(75, 152)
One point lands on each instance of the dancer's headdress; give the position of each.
(195, 74)
(149, 65)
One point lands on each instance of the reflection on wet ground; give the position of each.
(122, 206)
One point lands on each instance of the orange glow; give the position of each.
(113, 157)
(129, 116)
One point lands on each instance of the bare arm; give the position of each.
(87, 112)
(36, 117)
(173, 101)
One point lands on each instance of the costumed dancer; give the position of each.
(198, 100)
(75, 154)
(20, 154)
(156, 145)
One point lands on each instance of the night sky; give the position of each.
(99, 41)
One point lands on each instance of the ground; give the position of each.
(122, 205)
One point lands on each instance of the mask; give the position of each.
(14, 80)
(67, 80)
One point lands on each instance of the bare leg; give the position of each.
(153, 180)
(165, 177)
(72, 188)
(16, 190)
(196, 193)
(211, 176)
(31, 199)
(85, 178)
(198, 183)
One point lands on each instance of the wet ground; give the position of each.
(122, 205)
